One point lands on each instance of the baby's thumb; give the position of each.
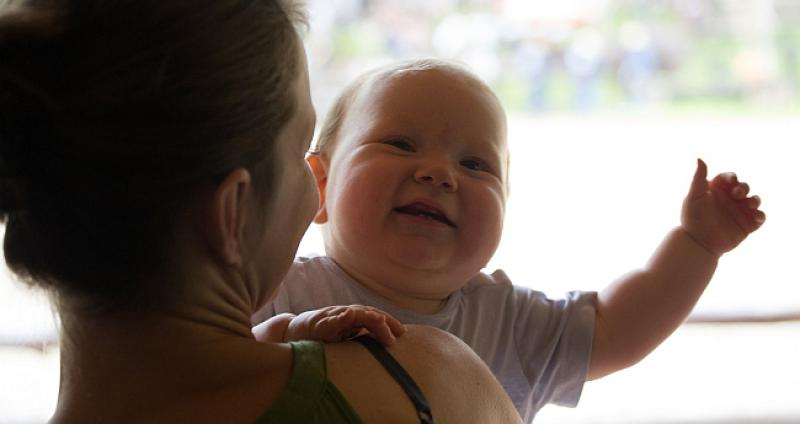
(699, 183)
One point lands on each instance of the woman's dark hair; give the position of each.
(114, 112)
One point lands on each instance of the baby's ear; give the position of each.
(320, 168)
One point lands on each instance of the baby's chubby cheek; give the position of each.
(483, 231)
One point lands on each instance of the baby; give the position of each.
(412, 168)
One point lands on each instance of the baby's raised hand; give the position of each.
(719, 214)
(331, 324)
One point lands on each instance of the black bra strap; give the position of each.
(401, 376)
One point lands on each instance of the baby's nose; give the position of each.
(438, 176)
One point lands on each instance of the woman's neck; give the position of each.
(202, 343)
(97, 349)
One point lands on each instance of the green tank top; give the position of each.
(309, 397)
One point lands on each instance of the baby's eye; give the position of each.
(400, 144)
(476, 165)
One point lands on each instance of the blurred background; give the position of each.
(610, 103)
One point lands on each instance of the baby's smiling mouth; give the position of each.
(426, 211)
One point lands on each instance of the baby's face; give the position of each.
(416, 183)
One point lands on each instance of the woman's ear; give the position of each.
(227, 216)
(320, 168)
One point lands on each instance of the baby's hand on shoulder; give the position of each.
(340, 323)
(719, 214)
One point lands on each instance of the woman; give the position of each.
(152, 179)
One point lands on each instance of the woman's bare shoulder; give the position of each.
(458, 385)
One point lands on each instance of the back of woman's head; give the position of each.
(112, 112)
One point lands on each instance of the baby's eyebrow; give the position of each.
(489, 147)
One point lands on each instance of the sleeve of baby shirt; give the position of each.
(554, 341)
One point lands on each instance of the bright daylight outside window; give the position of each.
(609, 104)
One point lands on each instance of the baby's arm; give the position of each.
(330, 324)
(641, 309)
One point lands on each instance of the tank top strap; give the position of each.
(309, 397)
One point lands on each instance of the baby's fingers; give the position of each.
(729, 184)
(397, 328)
(739, 191)
(755, 217)
(753, 202)
(744, 210)
(725, 182)
(382, 326)
(759, 218)
(699, 185)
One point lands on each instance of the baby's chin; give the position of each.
(425, 302)
(433, 283)
(440, 259)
